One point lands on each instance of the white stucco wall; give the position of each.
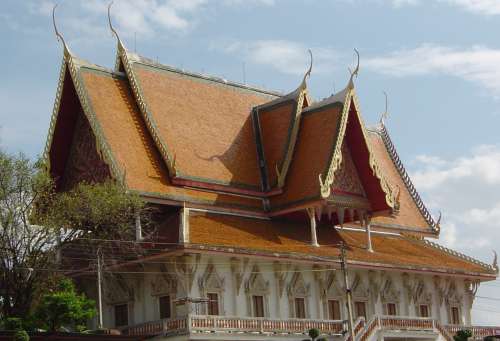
(217, 272)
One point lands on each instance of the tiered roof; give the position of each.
(189, 140)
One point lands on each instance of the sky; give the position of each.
(438, 61)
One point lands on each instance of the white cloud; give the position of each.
(285, 56)
(487, 7)
(477, 64)
(466, 190)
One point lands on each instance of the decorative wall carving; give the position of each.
(84, 160)
(185, 268)
(238, 268)
(346, 177)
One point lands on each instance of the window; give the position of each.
(424, 310)
(455, 315)
(300, 308)
(258, 306)
(360, 308)
(334, 310)
(121, 315)
(391, 309)
(164, 302)
(213, 304)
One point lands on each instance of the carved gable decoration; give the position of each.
(452, 296)
(420, 293)
(346, 179)
(211, 280)
(256, 283)
(297, 286)
(332, 287)
(389, 292)
(84, 161)
(163, 284)
(117, 290)
(359, 288)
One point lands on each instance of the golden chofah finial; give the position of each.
(58, 35)
(385, 114)
(308, 72)
(111, 24)
(356, 70)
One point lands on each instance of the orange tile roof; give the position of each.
(272, 237)
(275, 125)
(206, 125)
(409, 215)
(317, 135)
(208, 128)
(132, 146)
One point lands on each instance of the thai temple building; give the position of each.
(258, 194)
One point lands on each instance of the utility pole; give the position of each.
(348, 292)
(99, 286)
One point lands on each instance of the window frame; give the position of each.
(427, 308)
(459, 316)
(169, 306)
(387, 310)
(330, 309)
(365, 308)
(295, 307)
(210, 303)
(255, 312)
(127, 312)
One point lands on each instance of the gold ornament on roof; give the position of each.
(385, 114)
(58, 35)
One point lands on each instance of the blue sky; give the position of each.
(438, 60)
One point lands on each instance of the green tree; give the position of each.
(39, 224)
(64, 307)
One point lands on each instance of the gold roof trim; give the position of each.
(302, 94)
(325, 185)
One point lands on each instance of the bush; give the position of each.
(13, 323)
(462, 335)
(21, 335)
(313, 333)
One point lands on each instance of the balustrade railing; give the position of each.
(363, 330)
(477, 331)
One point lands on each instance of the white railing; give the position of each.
(228, 324)
(477, 331)
(363, 330)
(263, 325)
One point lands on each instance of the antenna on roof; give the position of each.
(356, 70)
(385, 114)
(58, 35)
(111, 25)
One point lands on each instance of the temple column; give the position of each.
(367, 221)
(312, 218)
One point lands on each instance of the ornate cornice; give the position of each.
(336, 159)
(292, 140)
(145, 111)
(55, 113)
(72, 65)
(489, 267)
(391, 149)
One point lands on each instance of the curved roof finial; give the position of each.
(111, 24)
(308, 72)
(385, 114)
(356, 70)
(438, 222)
(58, 35)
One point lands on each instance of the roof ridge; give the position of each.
(452, 252)
(382, 131)
(147, 61)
